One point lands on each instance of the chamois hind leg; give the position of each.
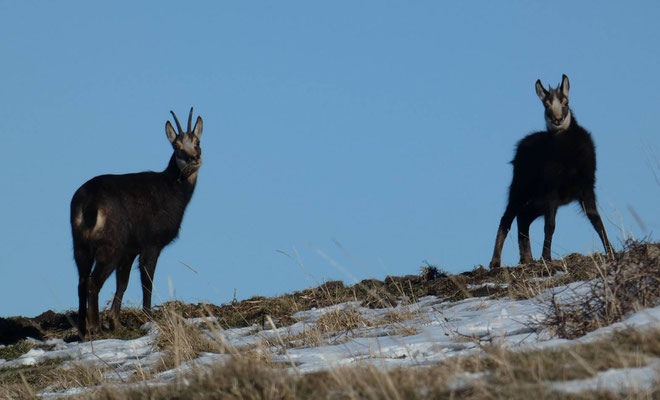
(84, 261)
(123, 272)
(590, 208)
(502, 231)
(148, 260)
(524, 220)
(106, 263)
(549, 216)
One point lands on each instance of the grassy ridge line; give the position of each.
(508, 281)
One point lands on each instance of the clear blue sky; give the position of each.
(384, 127)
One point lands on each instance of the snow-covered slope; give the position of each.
(432, 331)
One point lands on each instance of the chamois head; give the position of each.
(187, 153)
(555, 101)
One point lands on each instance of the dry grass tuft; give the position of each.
(624, 285)
(342, 321)
(625, 349)
(24, 382)
(179, 340)
(398, 316)
(325, 330)
(78, 375)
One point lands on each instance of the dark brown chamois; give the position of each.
(551, 168)
(115, 218)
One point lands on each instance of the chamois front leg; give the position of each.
(148, 260)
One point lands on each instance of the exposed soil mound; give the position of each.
(15, 329)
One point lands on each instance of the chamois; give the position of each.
(551, 168)
(115, 218)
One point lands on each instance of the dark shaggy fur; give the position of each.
(115, 218)
(551, 168)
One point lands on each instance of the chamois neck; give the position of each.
(172, 170)
(174, 173)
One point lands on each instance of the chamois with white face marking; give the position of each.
(551, 168)
(115, 218)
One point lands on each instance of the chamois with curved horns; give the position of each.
(115, 218)
(551, 168)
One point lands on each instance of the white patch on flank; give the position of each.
(100, 222)
(98, 226)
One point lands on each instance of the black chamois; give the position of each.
(551, 168)
(115, 218)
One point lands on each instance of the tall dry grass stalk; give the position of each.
(624, 285)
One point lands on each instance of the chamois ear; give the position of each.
(565, 85)
(540, 90)
(197, 131)
(169, 130)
